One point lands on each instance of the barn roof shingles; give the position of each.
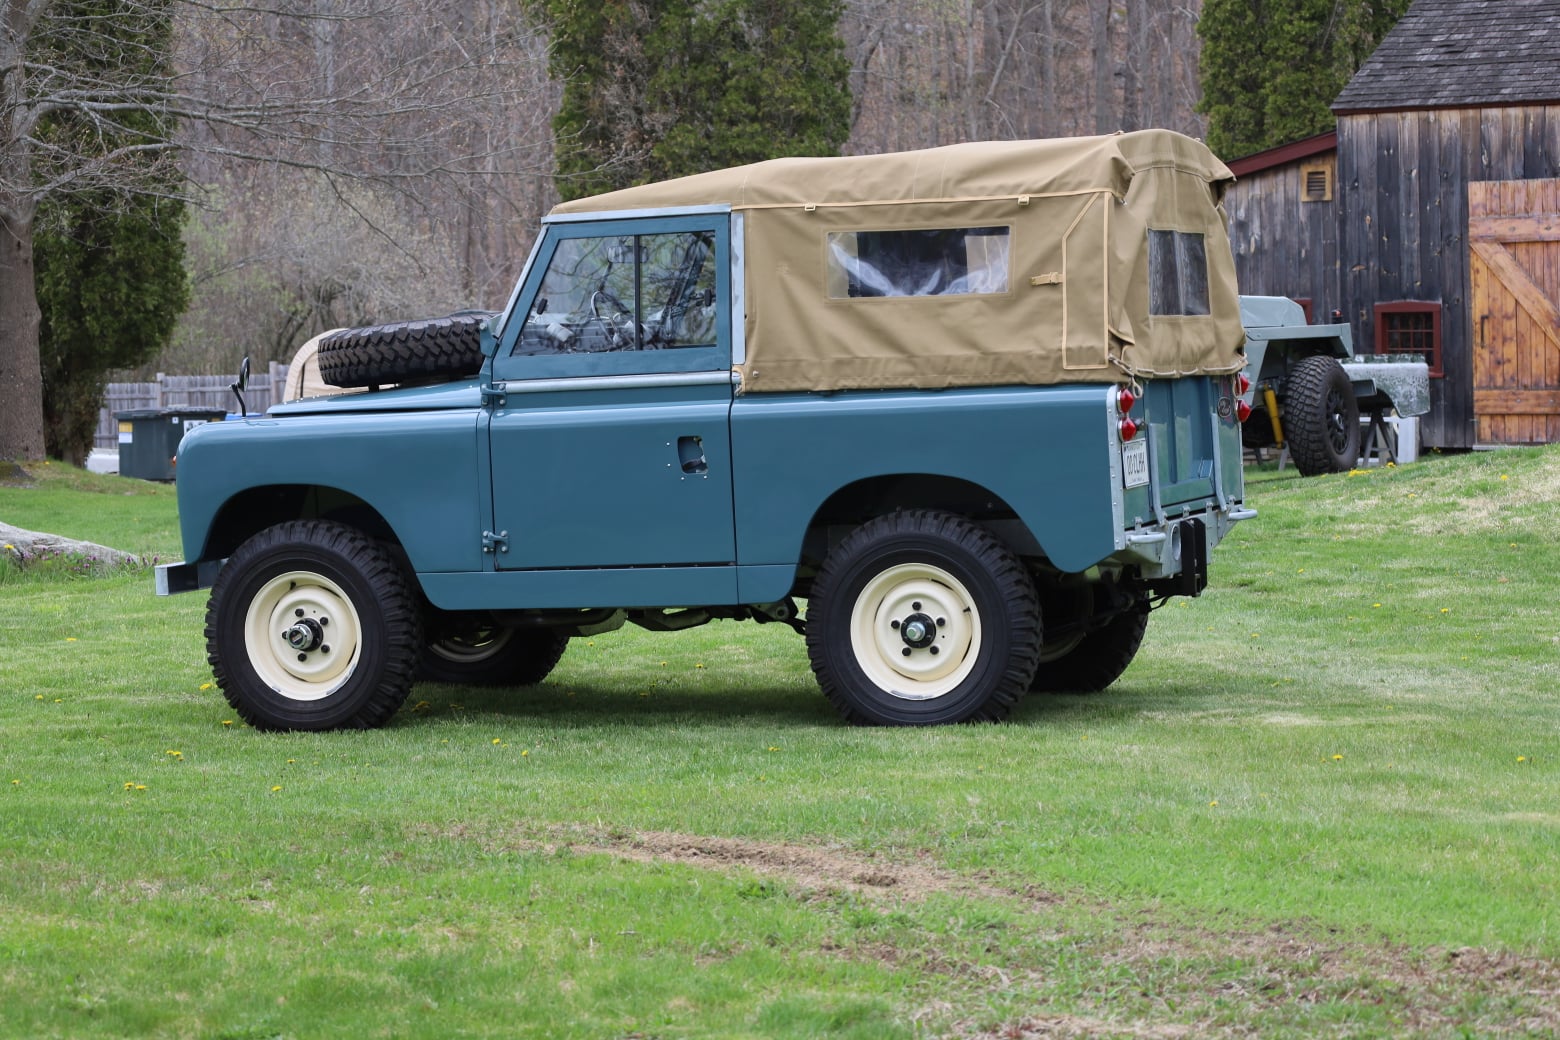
(1462, 54)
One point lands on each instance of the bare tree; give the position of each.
(398, 112)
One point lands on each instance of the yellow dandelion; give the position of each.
(1213, 804)
(70, 639)
(663, 664)
(498, 740)
(525, 753)
(1503, 476)
(278, 787)
(292, 761)
(1375, 605)
(699, 665)
(227, 722)
(140, 787)
(129, 785)
(38, 697)
(207, 685)
(1520, 758)
(772, 748)
(17, 783)
(1337, 758)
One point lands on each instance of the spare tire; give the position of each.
(405, 351)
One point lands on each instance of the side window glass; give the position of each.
(625, 292)
(937, 262)
(1177, 273)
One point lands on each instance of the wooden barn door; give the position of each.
(1514, 245)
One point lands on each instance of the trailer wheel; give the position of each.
(920, 618)
(1321, 417)
(312, 626)
(484, 654)
(1096, 660)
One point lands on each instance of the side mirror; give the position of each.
(239, 385)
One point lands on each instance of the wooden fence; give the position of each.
(265, 389)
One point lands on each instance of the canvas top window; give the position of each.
(919, 262)
(1177, 274)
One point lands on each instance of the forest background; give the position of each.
(333, 163)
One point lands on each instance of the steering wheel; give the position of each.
(619, 324)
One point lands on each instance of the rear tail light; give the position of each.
(1125, 399)
(1129, 430)
(1242, 384)
(1242, 411)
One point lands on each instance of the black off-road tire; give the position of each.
(479, 654)
(1096, 660)
(313, 626)
(1321, 417)
(945, 590)
(405, 351)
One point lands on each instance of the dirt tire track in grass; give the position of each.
(807, 866)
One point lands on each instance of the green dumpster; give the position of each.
(149, 438)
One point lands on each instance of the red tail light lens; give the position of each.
(1242, 384)
(1129, 430)
(1242, 411)
(1125, 399)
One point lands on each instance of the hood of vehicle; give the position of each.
(465, 393)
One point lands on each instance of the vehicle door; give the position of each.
(609, 435)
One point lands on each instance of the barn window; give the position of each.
(1316, 182)
(1410, 327)
(1177, 273)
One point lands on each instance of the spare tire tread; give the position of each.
(405, 351)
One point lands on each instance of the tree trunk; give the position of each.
(21, 375)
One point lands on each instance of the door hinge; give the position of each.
(494, 396)
(495, 542)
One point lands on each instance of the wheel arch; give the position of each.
(859, 501)
(254, 509)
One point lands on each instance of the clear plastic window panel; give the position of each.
(625, 292)
(1177, 273)
(936, 262)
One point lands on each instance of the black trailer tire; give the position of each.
(920, 618)
(1096, 660)
(1321, 417)
(480, 654)
(313, 626)
(405, 351)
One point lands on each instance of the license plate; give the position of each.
(1134, 464)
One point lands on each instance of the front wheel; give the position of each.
(920, 618)
(483, 654)
(313, 626)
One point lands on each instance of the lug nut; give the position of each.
(941, 622)
(916, 605)
(303, 657)
(894, 625)
(906, 651)
(933, 649)
(298, 612)
(326, 649)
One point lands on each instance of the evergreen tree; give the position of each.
(664, 88)
(109, 264)
(1271, 68)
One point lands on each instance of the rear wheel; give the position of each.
(920, 618)
(311, 626)
(1089, 663)
(483, 654)
(1321, 417)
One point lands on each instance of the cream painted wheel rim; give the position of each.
(303, 635)
(889, 618)
(482, 645)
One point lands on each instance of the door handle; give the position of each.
(690, 454)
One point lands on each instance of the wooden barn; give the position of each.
(1431, 219)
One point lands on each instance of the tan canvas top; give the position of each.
(1032, 262)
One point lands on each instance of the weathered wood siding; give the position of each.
(1403, 209)
(1283, 246)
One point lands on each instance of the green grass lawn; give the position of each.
(1323, 801)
